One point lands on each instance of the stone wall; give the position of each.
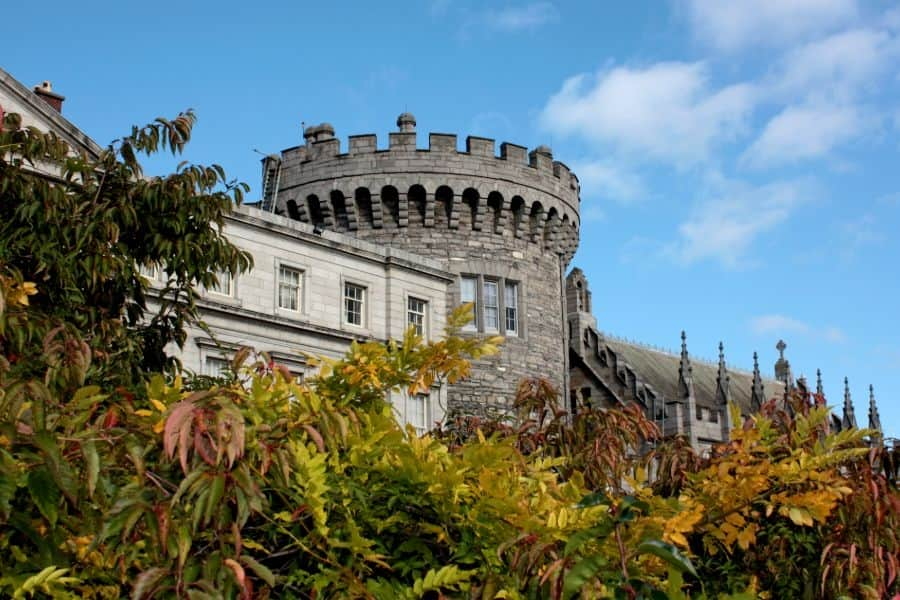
(507, 218)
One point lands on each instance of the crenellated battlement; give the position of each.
(518, 193)
(540, 159)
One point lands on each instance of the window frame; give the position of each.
(216, 290)
(474, 324)
(495, 307)
(482, 310)
(513, 285)
(411, 409)
(298, 293)
(363, 320)
(422, 326)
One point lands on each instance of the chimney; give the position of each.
(46, 93)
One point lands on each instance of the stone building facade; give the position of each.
(505, 226)
(359, 245)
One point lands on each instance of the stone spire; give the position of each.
(820, 391)
(685, 370)
(686, 383)
(757, 394)
(874, 419)
(783, 368)
(849, 420)
(723, 390)
(723, 380)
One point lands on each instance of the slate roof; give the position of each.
(659, 369)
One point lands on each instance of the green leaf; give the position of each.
(595, 499)
(92, 462)
(583, 571)
(670, 554)
(577, 540)
(146, 582)
(44, 492)
(261, 570)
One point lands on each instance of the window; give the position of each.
(151, 272)
(417, 412)
(216, 367)
(496, 304)
(225, 287)
(289, 288)
(354, 302)
(491, 308)
(511, 307)
(467, 287)
(416, 310)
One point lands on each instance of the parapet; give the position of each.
(322, 158)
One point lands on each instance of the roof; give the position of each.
(21, 99)
(659, 370)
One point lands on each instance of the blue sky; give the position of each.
(739, 160)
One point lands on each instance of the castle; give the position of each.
(361, 244)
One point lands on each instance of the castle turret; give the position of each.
(506, 224)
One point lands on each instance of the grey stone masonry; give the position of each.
(507, 224)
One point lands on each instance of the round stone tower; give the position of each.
(507, 225)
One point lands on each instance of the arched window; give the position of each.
(469, 218)
(416, 198)
(495, 209)
(550, 228)
(363, 207)
(390, 203)
(517, 207)
(293, 210)
(536, 221)
(316, 217)
(443, 197)
(339, 210)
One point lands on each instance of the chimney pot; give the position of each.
(46, 93)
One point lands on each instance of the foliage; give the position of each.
(261, 486)
(79, 229)
(795, 509)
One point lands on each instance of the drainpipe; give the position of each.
(565, 335)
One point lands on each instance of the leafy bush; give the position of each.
(114, 483)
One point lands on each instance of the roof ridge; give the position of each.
(672, 354)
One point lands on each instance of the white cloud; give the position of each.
(724, 227)
(777, 324)
(439, 8)
(667, 110)
(606, 180)
(802, 133)
(839, 66)
(518, 18)
(591, 213)
(737, 24)
(783, 326)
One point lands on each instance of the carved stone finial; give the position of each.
(780, 346)
(874, 418)
(849, 420)
(757, 394)
(406, 122)
(723, 380)
(685, 369)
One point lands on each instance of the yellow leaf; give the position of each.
(158, 405)
(143, 412)
(747, 537)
